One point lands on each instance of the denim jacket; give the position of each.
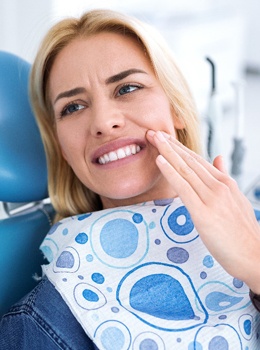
(42, 320)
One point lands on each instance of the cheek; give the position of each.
(154, 115)
(165, 122)
(163, 116)
(68, 143)
(61, 140)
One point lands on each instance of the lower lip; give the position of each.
(122, 161)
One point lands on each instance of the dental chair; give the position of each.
(25, 212)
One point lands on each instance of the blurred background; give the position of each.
(226, 31)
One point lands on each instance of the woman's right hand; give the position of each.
(221, 213)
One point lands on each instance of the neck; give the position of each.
(121, 202)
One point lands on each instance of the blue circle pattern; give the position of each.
(113, 335)
(158, 289)
(116, 242)
(178, 226)
(125, 234)
(148, 344)
(137, 218)
(178, 255)
(98, 278)
(180, 229)
(208, 261)
(81, 238)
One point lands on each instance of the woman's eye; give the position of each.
(71, 108)
(126, 89)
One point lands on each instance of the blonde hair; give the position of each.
(68, 195)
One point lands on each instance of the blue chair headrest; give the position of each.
(23, 170)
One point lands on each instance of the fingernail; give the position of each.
(150, 133)
(160, 136)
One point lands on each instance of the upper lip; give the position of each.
(114, 145)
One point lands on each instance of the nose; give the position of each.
(106, 119)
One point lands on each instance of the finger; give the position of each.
(216, 189)
(218, 172)
(189, 197)
(214, 170)
(219, 164)
(215, 180)
(187, 167)
(186, 161)
(175, 161)
(221, 184)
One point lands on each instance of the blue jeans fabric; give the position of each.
(42, 320)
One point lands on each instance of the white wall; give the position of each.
(251, 11)
(23, 22)
(22, 25)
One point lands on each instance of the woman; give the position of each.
(156, 248)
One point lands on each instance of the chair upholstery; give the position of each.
(23, 180)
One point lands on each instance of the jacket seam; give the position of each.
(28, 310)
(41, 323)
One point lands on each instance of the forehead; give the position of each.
(101, 52)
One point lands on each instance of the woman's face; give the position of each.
(105, 97)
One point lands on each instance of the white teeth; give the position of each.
(101, 160)
(106, 158)
(128, 151)
(133, 149)
(112, 156)
(119, 154)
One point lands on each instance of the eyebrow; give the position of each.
(113, 79)
(122, 75)
(70, 93)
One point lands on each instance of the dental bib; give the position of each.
(139, 277)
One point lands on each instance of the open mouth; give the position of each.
(120, 153)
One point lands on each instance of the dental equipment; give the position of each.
(214, 117)
(238, 149)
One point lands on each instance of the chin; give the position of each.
(124, 194)
(128, 195)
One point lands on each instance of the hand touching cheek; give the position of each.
(222, 215)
